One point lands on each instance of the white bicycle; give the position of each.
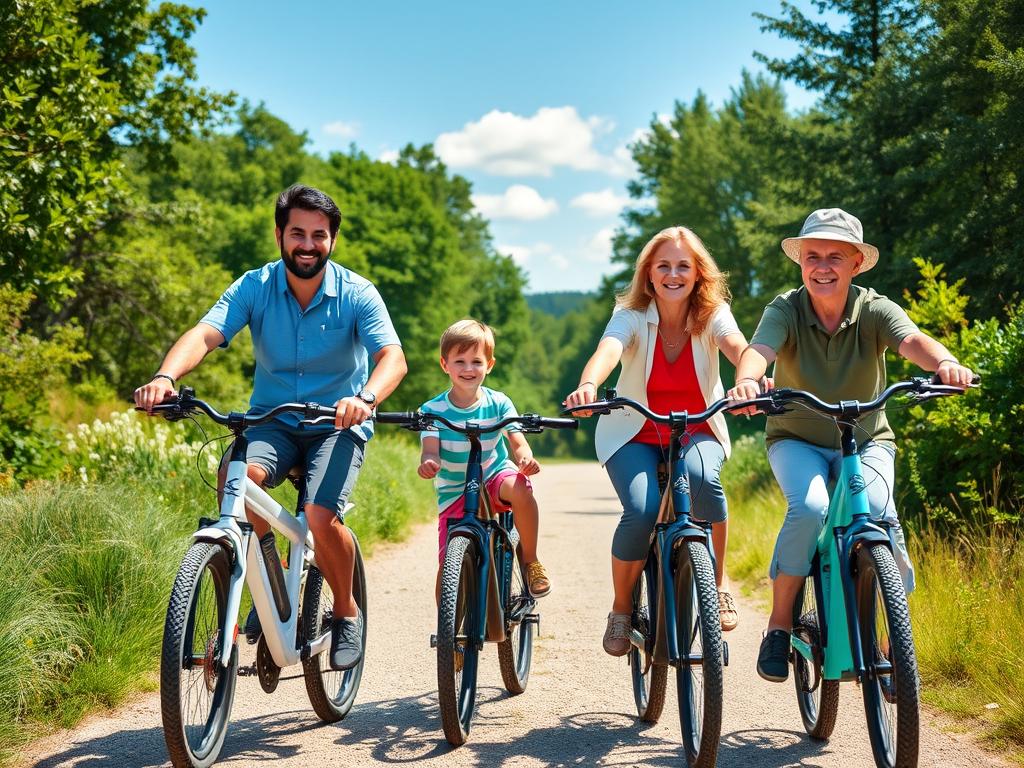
(199, 661)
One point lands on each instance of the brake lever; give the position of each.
(316, 420)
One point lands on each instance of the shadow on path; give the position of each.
(408, 731)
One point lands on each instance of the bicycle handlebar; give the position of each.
(185, 403)
(418, 421)
(613, 402)
(922, 388)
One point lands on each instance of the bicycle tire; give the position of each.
(456, 626)
(882, 608)
(816, 697)
(331, 692)
(194, 731)
(515, 652)
(649, 688)
(697, 618)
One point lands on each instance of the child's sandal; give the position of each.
(537, 581)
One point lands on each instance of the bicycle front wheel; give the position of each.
(196, 691)
(457, 651)
(699, 680)
(649, 679)
(515, 652)
(817, 698)
(332, 692)
(891, 686)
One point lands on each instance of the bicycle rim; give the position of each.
(648, 687)
(515, 653)
(699, 680)
(196, 691)
(891, 687)
(817, 698)
(331, 692)
(457, 652)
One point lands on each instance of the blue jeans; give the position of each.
(633, 470)
(806, 473)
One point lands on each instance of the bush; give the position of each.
(962, 456)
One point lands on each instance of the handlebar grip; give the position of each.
(559, 423)
(975, 380)
(394, 417)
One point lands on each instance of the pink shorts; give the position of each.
(457, 508)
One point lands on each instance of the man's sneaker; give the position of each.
(773, 658)
(253, 628)
(346, 641)
(616, 634)
(537, 581)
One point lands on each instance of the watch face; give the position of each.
(367, 397)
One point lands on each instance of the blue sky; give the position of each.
(534, 102)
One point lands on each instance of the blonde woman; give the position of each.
(667, 329)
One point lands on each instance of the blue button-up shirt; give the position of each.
(319, 354)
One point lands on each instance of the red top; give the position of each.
(671, 387)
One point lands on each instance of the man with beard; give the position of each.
(314, 325)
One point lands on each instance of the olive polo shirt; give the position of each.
(846, 365)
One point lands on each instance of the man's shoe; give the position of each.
(773, 658)
(253, 628)
(616, 634)
(346, 641)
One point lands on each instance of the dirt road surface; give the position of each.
(577, 710)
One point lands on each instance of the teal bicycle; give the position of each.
(851, 620)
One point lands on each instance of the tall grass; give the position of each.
(89, 561)
(967, 611)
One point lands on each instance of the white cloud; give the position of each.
(388, 156)
(340, 129)
(559, 261)
(506, 144)
(517, 202)
(603, 203)
(521, 254)
(599, 247)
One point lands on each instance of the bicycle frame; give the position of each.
(483, 532)
(248, 566)
(847, 525)
(683, 528)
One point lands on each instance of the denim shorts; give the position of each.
(633, 470)
(332, 459)
(806, 473)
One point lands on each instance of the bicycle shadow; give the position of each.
(255, 738)
(580, 739)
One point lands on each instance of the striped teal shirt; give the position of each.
(491, 408)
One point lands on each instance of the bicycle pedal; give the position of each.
(433, 641)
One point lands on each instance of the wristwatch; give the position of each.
(367, 397)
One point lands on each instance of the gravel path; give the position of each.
(578, 709)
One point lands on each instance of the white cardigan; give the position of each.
(638, 332)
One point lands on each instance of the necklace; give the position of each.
(666, 342)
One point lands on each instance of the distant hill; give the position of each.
(557, 303)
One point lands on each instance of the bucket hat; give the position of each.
(832, 224)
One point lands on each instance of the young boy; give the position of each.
(467, 356)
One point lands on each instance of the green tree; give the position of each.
(80, 82)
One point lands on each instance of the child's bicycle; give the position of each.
(850, 619)
(199, 660)
(483, 584)
(675, 617)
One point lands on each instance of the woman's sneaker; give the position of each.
(773, 658)
(616, 634)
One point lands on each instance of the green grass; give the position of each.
(967, 611)
(88, 570)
